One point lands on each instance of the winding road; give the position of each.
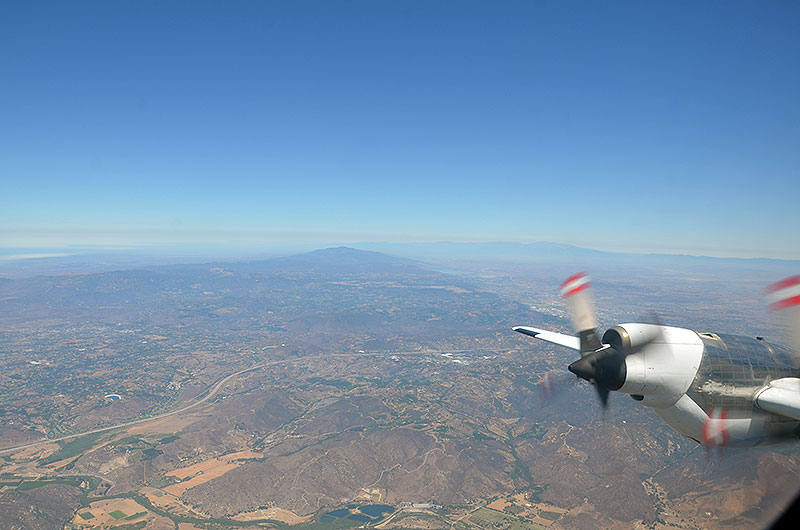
(212, 391)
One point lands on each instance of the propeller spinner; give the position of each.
(602, 363)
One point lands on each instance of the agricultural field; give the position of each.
(112, 513)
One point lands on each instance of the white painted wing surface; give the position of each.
(781, 397)
(569, 341)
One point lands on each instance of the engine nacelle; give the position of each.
(661, 362)
(630, 338)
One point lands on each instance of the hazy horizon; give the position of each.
(620, 126)
(246, 249)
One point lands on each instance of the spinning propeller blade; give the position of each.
(599, 364)
(784, 296)
(602, 362)
(576, 290)
(551, 384)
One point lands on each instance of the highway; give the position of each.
(214, 388)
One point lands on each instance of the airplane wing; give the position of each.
(782, 397)
(570, 341)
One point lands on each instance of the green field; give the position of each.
(75, 447)
(168, 439)
(117, 514)
(86, 516)
(485, 516)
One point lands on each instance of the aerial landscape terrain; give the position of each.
(263, 264)
(341, 388)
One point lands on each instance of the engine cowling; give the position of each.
(660, 361)
(630, 338)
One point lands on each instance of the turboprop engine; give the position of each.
(714, 388)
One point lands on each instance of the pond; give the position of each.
(369, 513)
(377, 510)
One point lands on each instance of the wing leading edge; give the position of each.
(569, 341)
(782, 397)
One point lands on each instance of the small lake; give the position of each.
(369, 513)
(377, 510)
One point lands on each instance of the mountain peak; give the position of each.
(347, 255)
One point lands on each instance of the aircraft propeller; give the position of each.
(551, 384)
(784, 297)
(602, 362)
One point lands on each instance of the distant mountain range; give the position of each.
(50, 261)
(331, 259)
(543, 250)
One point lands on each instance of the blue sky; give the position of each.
(637, 126)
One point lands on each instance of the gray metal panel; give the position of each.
(733, 368)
